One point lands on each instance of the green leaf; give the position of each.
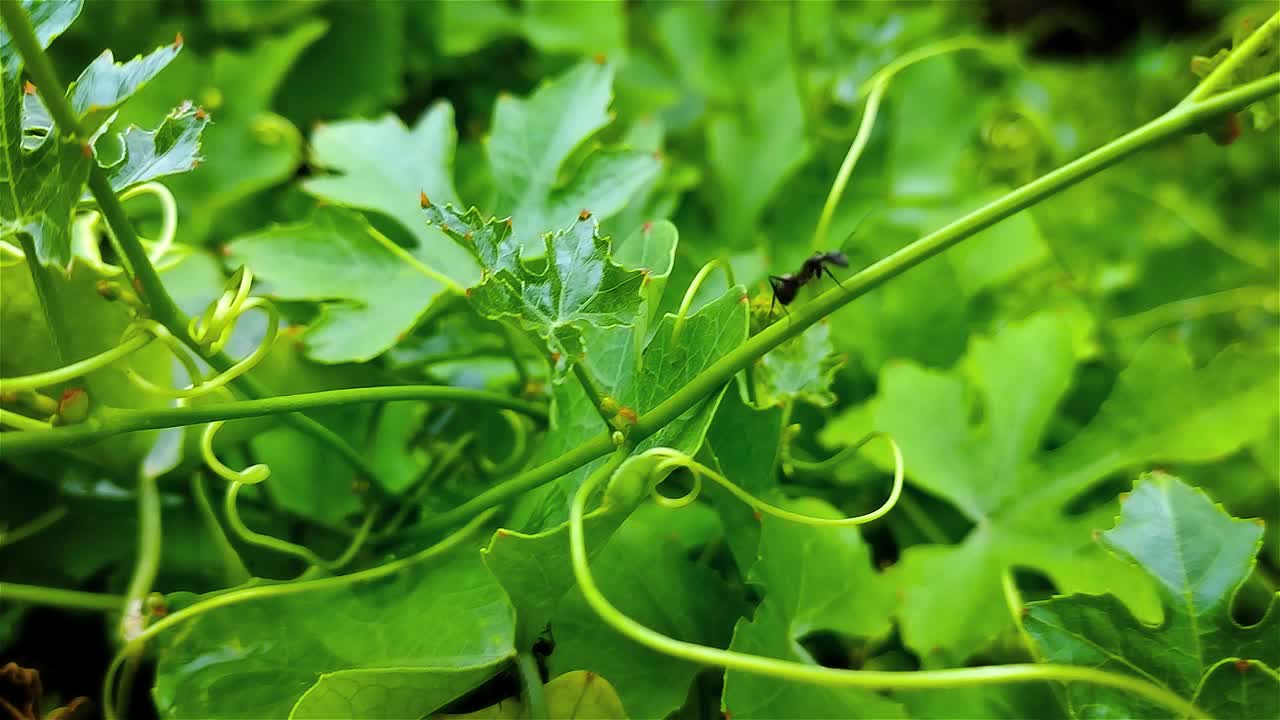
(993, 471)
(533, 138)
(744, 441)
(106, 84)
(534, 569)
(1239, 689)
(577, 695)
(39, 188)
(249, 148)
(373, 292)
(690, 603)
(665, 365)
(93, 326)
(170, 149)
(579, 286)
(802, 368)
(383, 166)
(389, 693)
(261, 658)
(814, 580)
(552, 27)
(582, 695)
(1198, 556)
(651, 249)
(49, 19)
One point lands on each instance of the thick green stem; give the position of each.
(116, 422)
(535, 701)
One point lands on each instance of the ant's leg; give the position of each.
(832, 275)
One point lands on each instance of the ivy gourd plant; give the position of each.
(569, 360)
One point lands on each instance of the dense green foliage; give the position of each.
(338, 337)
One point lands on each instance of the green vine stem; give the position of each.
(874, 89)
(115, 421)
(150, 543)
(161, 305)
(67, 373)
(689, 294)
(41, 522)
(535, 700)
(831, 677)
(1182, 119)
(850, 160)
(60, 598)
(22, 422)
(263, 592)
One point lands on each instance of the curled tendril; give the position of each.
(671, 459)
(251, 475)
(212, 329)
(519, 447)
(692, 291)
(85, 232)
(198, 385)
(796, 467)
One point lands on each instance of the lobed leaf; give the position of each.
(1198, 557)
(382, 165)
(372, 292)
(106, 84)
(580, 285)
(443, 624)
(993, 471)
(170, 149)
(814, 580)
(533, 138)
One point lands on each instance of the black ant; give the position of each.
(785, 287)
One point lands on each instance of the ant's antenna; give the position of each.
(857, 226)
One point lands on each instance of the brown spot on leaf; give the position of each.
(86, 150)
(584, 215)
(177, 40)
(647, 226)
(423, 200)
(29, 88)
(202, 114)
(627, 415)
(1242, 666)
(599, 58)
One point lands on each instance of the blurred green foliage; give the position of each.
(1030, 374)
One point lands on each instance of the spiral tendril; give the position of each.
(251, 475)
(519, 447)
(672, 459)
